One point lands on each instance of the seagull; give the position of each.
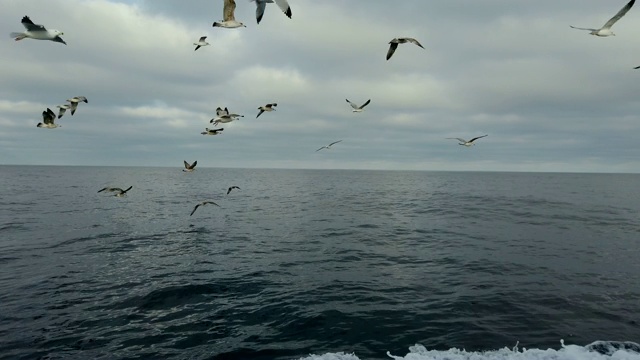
(468, 143)
(231, 188)
(120, 192)
(394, 45)
(229, 18)
(202, 204)
(38, 32)
(62, 108)
(189, 168)
(208, 131)
(268, 107)
(201, 43)
(261, 4)
(224, 117)
(328, 146)
(74, 102)
(606, 29)
(48, 117)
(357, 108)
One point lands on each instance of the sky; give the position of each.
(551, 98)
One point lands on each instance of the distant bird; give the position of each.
(231, 188)
(606, 29)
(119, 192)
(202, 204)
(262, 4)
(74, 102)
(208, 131)
(357, 108)
(467, 143)
(48, 118)
(224, 117)
(637, 67)
(328, 146)
(189, 168)
(268, 107)
(229, 17)
(394, 45)
(37, 32)
(62, 108)
(201, 43)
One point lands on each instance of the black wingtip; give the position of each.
(288, 13)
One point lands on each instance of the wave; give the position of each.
(598, 350)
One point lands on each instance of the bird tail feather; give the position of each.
(14, 35)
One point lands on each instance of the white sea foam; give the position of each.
(599, 350)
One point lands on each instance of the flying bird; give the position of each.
(189, 168)
(208, 131)
(467, 143)
(202, 204)
(201, 43)
(74, 102)
(62, 108)
(231, 188)
(229, 17)
(48, 118)
(357, 108)
(268, 107)
(224, 117)
(37, 32)
(262, 4)
(328, 146)
(393, 45)
(119, 192)
(606, 29)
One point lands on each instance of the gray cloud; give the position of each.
(551, 98)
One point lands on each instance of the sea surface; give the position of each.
(318, 264)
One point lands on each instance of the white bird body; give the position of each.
(606, 29)
(262, 4)
(229, 21)
(357, 108)
(37, 32)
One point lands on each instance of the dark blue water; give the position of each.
(316, 264)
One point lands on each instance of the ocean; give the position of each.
(318, 264)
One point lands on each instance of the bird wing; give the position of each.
(284, 6)
(210, 202)
(365, 104)
(352, 104)
(229, 9)
(194, 209)
(194, 164)
(229, 190)
(186, 164)
(637, 67)
(260, 113)
(415, 42)
(58, 39)
(82, 98)
(459, 139)
(203, 38)
(324, 147)
(260, 6)
(197, 47)
(392, 48)
(62, 110)
(335, 142)
(619, 15)
(30, 26)
(579, 28)
(124, 191)
(219, 111)
(476, 138)
(74, 106)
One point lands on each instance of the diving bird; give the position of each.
(268, 107)
(202, 204)
(328, 146)
(208, 131)
(62, 108)
(262, 4)
(119, 192)
(357, 108)
(231, 188)
(229, 17)
(393, 45)
(201, 43)
(467, 143)
(48, 118)
(74, 102)
(37, 32)
(189, 168)
(606, 29)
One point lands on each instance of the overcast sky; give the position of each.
(551, 98)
